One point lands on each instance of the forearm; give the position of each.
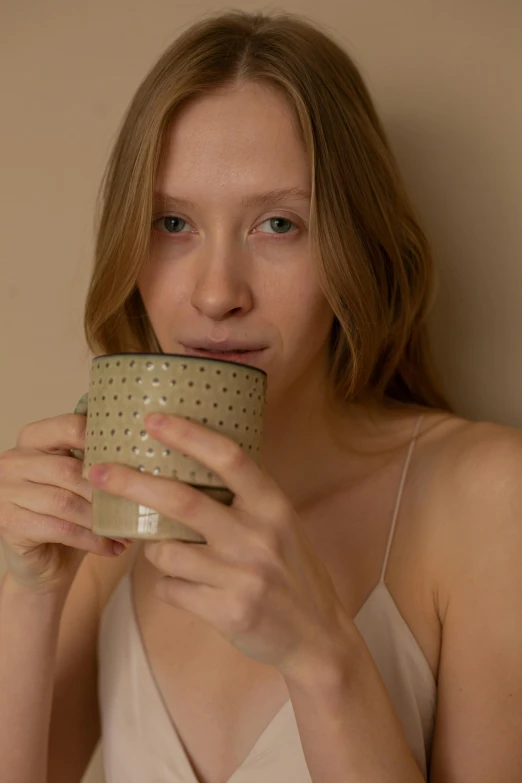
(348, 727)
(29, 628)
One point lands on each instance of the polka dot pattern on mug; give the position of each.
(124, 388)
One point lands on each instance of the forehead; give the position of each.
(242, 137)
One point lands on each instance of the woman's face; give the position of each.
(224, 268)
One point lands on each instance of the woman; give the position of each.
(355, 614)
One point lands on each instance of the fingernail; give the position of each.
(117, 547)
(98, 473)
(156, 420)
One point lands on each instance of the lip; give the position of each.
(230, 346)
(242, 357)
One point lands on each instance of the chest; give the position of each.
(222, 703)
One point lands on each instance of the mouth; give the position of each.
(243, 357)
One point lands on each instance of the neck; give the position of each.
(314, 443)
(306, 437)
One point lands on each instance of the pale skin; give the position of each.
(456, 574)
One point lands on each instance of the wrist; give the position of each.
(326, 662)
(49, 602)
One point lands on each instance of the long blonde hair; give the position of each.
(375, 264)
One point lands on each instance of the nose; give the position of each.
(221, 287)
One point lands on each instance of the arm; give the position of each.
(29, 626)
(348, 728)
(347, 725)
(75, 719)
(478, 732)
(49, 717)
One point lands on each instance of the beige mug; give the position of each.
(225, 396)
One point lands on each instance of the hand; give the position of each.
(258, 581)
(45, 506)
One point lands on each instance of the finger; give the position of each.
(52, 470)
(46, 529)
(52, 501)
(59, 433)
(196, 564)
(253, 487)
(174, 499)
(199, 599)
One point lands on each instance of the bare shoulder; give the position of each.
(465, 461)
(468, 494)
(468, 482)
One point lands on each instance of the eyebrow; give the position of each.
(254, 200)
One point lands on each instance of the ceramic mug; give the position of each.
(226, 396)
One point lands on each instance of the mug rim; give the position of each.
(178, 356)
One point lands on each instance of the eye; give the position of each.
(170, 224)
(280, 225)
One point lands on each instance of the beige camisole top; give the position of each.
(140, 742)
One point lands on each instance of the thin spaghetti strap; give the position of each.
(399, 494)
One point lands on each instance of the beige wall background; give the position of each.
(445, 75)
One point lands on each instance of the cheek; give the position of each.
(146, 282)
(308, 319)
(159, 295)
(159, 282)
(157, 275)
